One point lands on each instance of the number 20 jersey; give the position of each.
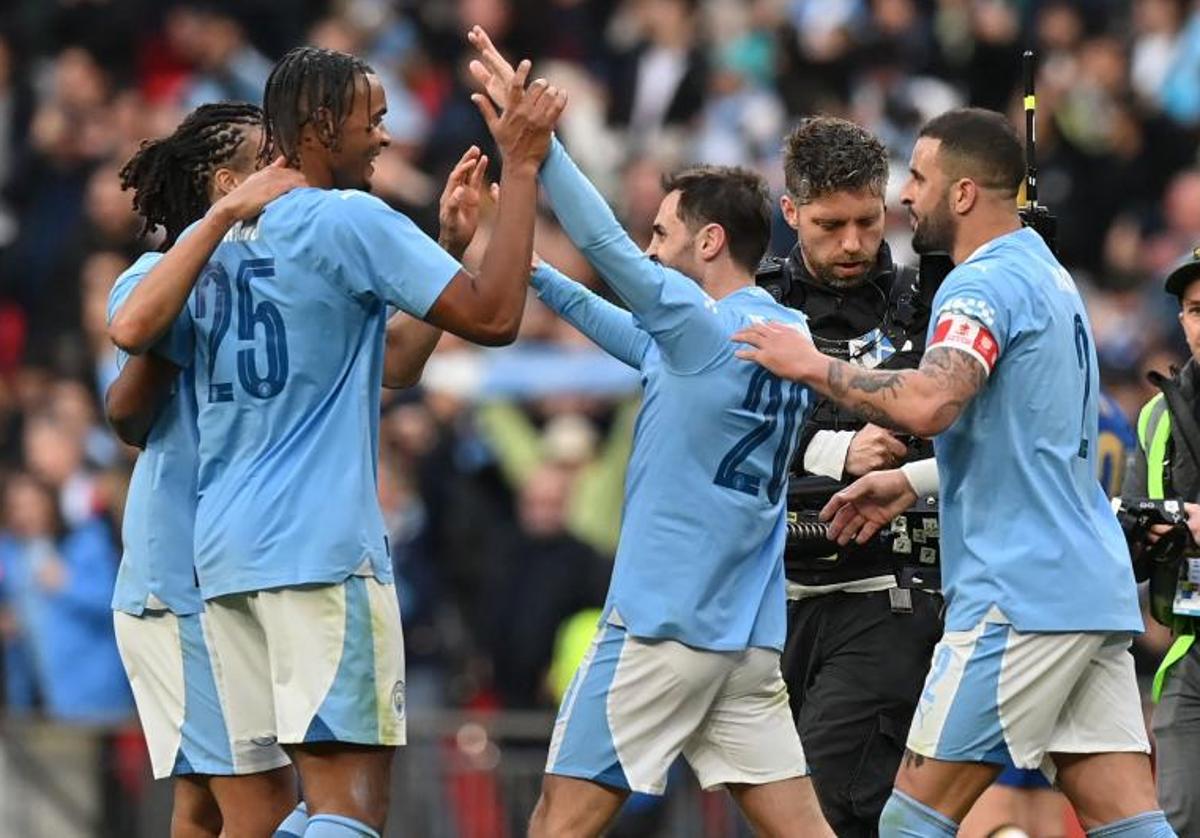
(700, 557)
(1025, 524)
(289, 325)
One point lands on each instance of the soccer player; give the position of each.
(1041, 602)
(291, 551)
(158, 612)
(687, 656)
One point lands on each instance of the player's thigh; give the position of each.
(782, 809)
(570, 807)
(341, 778)
(336, 660)
(238, 669)
(747, 736)
(1099, 747)
(255, 804)
(630, 708)
(194, 812)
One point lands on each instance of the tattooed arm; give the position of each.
(924, 401)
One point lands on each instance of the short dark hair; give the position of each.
(170, 176)
(979, 144)
(307, 85)
(731, 196)
(825, 154)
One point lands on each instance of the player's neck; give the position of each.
(977, 232)
(316, 172)
(726, 283)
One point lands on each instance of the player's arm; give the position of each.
(157, 301)
(924, 401)
(663, 302)
(410, 341)
(487, 308)
(137, 394)
(608, 326)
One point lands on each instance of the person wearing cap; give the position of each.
(1168, 466)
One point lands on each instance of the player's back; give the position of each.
(290, 323)
(156, 568)
(700, 553)
(1025, 523)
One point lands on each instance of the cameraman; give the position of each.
(1168, 466)
(858, 646)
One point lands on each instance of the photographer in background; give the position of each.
(1168, 466)
(858, 646)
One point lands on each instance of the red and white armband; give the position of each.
(958, 331)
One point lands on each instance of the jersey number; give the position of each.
(250, 315)
(1085, 365)
(727, 472)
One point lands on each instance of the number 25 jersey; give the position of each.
(1025, 524)
(289, 325)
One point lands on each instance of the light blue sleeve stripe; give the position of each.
(610, 327)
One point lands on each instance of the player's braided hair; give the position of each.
(825, 154)
(309, 85)
(170, 176)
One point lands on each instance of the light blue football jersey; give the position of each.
(156, 532)
(700, 557)
(1025, 524)
(289, 321)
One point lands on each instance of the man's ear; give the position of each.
(224, 181)
(964, 194)
(791, 212)
(712, 241)
(324, 131)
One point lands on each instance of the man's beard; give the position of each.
(934, 233)
(827, 275)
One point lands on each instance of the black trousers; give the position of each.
(855, 669)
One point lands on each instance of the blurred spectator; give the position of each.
(542, 575)
(60, 651)
(210, 38)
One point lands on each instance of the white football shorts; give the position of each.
(169, 664)
(635, 705)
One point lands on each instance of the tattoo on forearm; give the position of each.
(956, 376)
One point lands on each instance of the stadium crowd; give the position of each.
(501, 474)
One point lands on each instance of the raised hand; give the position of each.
(867, 505)
(522, 131)
(261, 188)
(491, 70)
(462, 201)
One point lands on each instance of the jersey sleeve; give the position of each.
(177, 344)
(672, 308)
(374, 252)
(971, 315)
(608, 326)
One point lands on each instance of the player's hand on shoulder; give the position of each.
(863, 508)
(784, 350)
(873, 448)
(250, 196)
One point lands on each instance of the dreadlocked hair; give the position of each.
(170, 176)
(309, 85)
